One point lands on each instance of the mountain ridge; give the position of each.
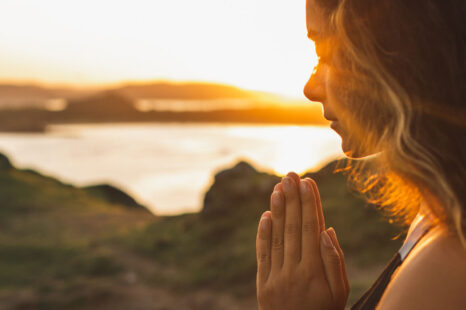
(134, 90)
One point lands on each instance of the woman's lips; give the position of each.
(334, 125)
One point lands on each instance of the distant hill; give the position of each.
(21, 96)
(32, 108)
(112, 106)
(14, 91)
(35, 91)
(15, 96)
(192, 91)
(105, 106)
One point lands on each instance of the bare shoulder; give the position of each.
(432, 277)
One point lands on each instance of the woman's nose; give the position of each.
(314, 89)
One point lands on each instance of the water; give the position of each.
(167, 167)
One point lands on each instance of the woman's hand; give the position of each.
(300, 264)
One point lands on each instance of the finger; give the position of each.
(294, 176)
(277, 205)
(292, 238)
(264, 233)
(318, 204)
(310, 255)
(332, 267)
(278, 187)
(336, 244)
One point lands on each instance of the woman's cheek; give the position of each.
(335, 94)
(342, 101)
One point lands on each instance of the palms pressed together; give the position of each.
(300, 263)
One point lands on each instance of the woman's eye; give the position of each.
(323, 53)
(324, 59)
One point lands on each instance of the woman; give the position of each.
(392, 79)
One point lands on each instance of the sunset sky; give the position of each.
(254, 44)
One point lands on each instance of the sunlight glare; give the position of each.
(294, 148)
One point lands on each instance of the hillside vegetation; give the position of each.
(63, 247)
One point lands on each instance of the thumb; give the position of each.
(332, 266)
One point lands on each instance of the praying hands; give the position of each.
(300, 263)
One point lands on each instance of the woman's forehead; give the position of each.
(316, 20)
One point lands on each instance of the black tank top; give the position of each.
(372, 296)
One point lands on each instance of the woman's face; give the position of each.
(326, 84)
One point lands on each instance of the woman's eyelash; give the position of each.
(324, 59)
(323, 52)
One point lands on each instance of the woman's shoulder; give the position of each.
(432, 276)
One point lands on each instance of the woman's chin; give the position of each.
(349, 146)
(351, 154)
(352, 150)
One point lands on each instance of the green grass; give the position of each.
(54, 236)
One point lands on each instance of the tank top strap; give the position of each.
(372, 296)
(421, 226)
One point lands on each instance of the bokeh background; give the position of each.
(140, 142)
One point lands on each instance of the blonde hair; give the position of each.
(407, 57)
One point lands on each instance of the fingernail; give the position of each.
(265, 223)
(303, 187)
(287, 184)
(293, 176)
(310, 180)
(276, 198)
(326, 239)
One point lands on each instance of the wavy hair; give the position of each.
(407, 61)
